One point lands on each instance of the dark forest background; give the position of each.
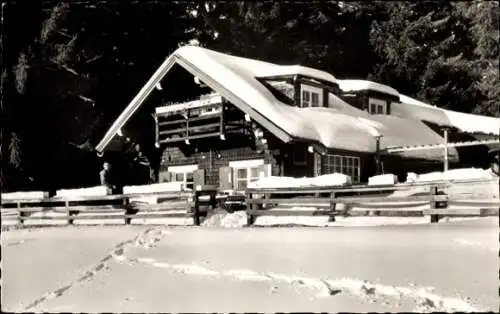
(68, 69)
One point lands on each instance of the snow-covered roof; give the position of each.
(235, 79)
(358, 85)
(255, 68)
(410, 107)
(286, 70)
(395, 131)
(465, 122)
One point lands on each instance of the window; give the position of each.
(299, 156)
(314, 100)
(246, 171)
(348, 165)
(377, 106)
(183, 174)
(306, 98)
(311, 96)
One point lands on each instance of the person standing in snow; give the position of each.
(106, 177)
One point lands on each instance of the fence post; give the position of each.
(21, 214)
(213, 199)
(433, 203)
(250, 207)
(266, 205)
(127, 208)
(196, 209)
(68, 212)
(333, 206)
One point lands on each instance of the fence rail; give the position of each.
(431, 200)
(122, 208)
(434, 202)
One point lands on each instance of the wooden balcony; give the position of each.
(210, 116)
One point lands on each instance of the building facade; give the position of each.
(247, 119)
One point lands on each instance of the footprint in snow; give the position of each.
(368, 290)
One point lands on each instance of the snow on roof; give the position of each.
(395, 131)
(465, 122)
(469, 123)
(285, 70)
(235, 79)
(257, 68)
(357, 85)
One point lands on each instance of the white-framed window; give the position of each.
(246, 171)
(310, 96)
(183, 174)
(377, 106)
(348, 165)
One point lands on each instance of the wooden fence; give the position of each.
(324, 201)
(111, 208)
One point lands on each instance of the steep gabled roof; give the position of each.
(236, 79)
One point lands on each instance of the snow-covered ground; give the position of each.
(31, 195)
(451, 266)
(457, 174)
(335, 179)
(339, 179)
(99, 190)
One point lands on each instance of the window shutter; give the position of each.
(199, 178)
(166, 176)
(226, 178)
(234, 177)
(317, 164)
(325, 98)
(264, 171)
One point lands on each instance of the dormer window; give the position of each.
(310, 96)
(377, 106)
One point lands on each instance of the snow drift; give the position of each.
(224, 219)
(383, 179)
(90, 191)
(33, 195)
(455, 174)
(155, 188)
(335, 179)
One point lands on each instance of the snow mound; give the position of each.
(90, 191)
(456, 174)
(155, 188)
(24, 195)
(383, 179)
(335, 179)
(411, 177)
(214, 219)
(235, 220)
(226, 220)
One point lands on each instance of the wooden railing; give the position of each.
(324, 201)
(109, 208)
